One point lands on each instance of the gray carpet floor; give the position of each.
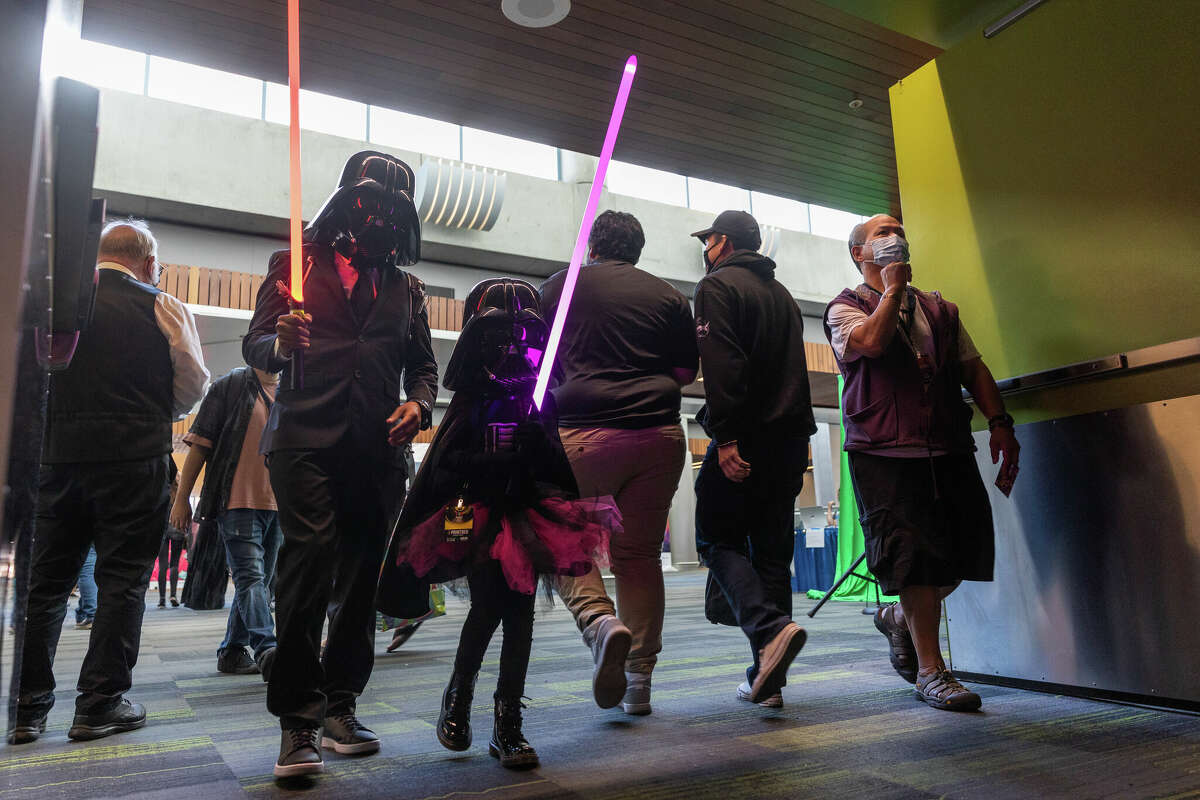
(849, 728)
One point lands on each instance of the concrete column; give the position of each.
(682, 519)
(577, 167)
(824, 482)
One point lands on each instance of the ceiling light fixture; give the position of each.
(856, 104)
(536, 13)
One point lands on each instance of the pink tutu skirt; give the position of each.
(556, 537)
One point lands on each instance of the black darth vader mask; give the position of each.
(502, 342)
(370, 218)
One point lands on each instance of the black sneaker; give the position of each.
(299, 753)
(346, 735)
(236, 661)
(265, 662)
(126, 716)
(27, 730)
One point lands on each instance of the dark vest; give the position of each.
(114, 402)
(886, 403)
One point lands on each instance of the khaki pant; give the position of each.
(641, 470)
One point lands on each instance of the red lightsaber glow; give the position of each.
(585, 228)
(296, 284)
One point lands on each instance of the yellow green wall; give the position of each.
(1050, 182)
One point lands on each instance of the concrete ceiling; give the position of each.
(753, 93)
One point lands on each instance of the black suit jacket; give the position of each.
(354, 370)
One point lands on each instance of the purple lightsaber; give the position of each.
(585, 228)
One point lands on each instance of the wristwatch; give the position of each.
(1000, 421)
(426, 414)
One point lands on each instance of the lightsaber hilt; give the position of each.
(297, 357)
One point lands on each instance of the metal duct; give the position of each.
(456, 195)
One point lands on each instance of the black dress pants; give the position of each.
(745, 532)
(120, 507)
(493, 603)
(333, 511)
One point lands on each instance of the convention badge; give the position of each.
(460, 520)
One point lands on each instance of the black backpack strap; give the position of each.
(417, 300)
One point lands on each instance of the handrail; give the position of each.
(1159, 355)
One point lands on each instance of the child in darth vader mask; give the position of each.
(495, 501)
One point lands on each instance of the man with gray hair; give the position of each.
(104, 477)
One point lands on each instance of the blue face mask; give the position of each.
(889, 249)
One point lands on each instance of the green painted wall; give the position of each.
(1050, 182)
(938, 22)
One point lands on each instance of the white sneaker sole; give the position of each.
(608, 679)
(292, 770)
(636, 709)
(349, 749)
(777, 656)
(774, 701)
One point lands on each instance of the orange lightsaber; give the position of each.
(296, 285)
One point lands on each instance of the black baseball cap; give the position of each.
(741, 228)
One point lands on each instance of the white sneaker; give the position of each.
(637, 694)
(774, 701)
(609, 640)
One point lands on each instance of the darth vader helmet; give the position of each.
(502, 342)
(370, 218)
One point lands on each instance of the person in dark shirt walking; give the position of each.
(628, 347)
(237, 495)
(759, 415)
(104, 482)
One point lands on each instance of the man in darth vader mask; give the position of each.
(334, 442)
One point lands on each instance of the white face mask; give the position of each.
(889, 249)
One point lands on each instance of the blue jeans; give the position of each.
(252, 539)
(86, 609)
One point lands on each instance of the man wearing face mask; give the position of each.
(759, 415)
(926, 518)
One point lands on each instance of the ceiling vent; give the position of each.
(536, 13)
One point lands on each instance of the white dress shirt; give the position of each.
(187, 360)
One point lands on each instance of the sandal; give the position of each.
(942, 690)
(902, 652)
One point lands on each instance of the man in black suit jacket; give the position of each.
(334, 446)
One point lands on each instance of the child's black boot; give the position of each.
(508, 743)
(454, 723)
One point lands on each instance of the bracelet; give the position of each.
(1000, 421)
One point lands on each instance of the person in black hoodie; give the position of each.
(758, 413)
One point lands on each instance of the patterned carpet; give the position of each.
(849, 728)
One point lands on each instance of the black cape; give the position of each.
(401, 592)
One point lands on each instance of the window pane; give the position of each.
(781, 212)
(508, 153)
(716, 197)
(831, 223)
(417, 134)
(100, 64)
(319, 112)
(648, 184)
(204, 87)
